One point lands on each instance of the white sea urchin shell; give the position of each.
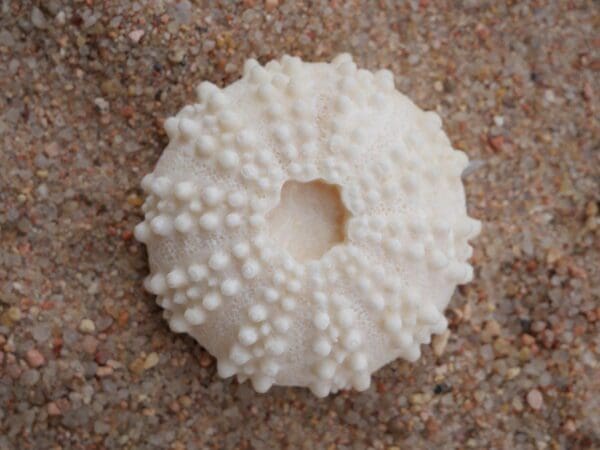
(306, 224)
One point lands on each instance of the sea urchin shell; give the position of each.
(306, 224)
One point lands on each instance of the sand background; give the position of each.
(86, 362)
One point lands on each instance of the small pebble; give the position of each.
(87, 326)
(176, 55)
(60, 18)
(490, 330)
(104, 371)
(101, 427)
(512, 372)
(30, 377)
(502, 346)
(413, 59)
(136, 35)
(535, 399)
(41, 332)
(517, 404)
(38, 19)
(439, 342)
(102, 105)
(569, 427)
(89, 344)
(418, 398)
(53, 409)
(151, 361)
(496, 142)
(102, 356)
(14, 314)
(35, 358)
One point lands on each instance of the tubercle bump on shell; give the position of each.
(326, 324)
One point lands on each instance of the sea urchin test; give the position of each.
(306, 224)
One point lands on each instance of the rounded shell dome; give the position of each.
(306, 224)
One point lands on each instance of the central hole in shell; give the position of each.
(309, 219)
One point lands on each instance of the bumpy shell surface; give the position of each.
(328, 322)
